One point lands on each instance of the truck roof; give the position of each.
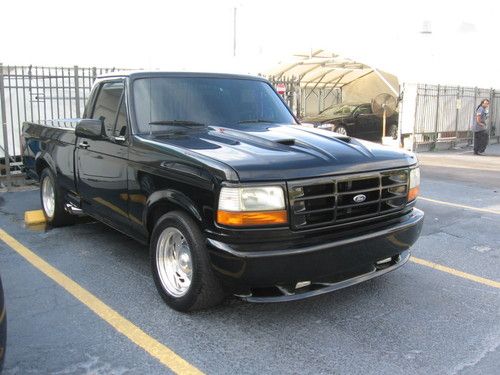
(134, 74)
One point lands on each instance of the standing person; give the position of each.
(479, 127)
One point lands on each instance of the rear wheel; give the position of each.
(52, 201)
(180, 264)
(340, 129)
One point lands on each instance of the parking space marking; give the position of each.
(484, 168)
(487, 210)
(156, 349)
(452, 271)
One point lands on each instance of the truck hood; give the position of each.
(264, 152)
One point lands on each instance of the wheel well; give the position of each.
(161, 208)
(40, 166)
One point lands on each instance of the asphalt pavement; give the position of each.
(416, 320)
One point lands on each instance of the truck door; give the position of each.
(102, 163)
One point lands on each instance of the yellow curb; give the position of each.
(34, 217)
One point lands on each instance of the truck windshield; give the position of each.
(227, 102)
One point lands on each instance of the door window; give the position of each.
(363, 110)
(107, 103)
(120, 129)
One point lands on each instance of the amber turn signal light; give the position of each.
(413, 193)
(251, 218)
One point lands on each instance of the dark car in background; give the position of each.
(355, 120)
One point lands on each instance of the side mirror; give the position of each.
(90, 128)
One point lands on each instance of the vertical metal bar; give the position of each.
(83, 86)
(94, 74)
(51, 96)
(57, 95)
(69, 93)
(12, 127)
(44, 101)
(414, 141)
(456, 114)
(437, 115)
(64, 93)
(77, 91)
(492, 95)
(19, 122)
(471, 133)
(4, 127)
(70, 97)
(38, 93)
(30, 91)
(24, 95)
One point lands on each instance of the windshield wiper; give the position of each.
(255, 121)
(176, 122)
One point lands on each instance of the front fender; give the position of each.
(173, 198)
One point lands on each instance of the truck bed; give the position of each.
(52, 145)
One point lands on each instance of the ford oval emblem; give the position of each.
(360, 198)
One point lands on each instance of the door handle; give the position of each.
(83, 145)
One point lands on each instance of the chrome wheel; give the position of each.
(173, 262)
(48, 197)
(341, 130)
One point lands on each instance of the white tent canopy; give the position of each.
(323, 69)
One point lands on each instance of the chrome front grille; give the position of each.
(333, 200)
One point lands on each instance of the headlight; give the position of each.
(251, 206)
(414, 184)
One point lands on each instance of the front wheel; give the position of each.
(52, 201)
(340, 129)
(180, 264)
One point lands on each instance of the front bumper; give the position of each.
(321, 264)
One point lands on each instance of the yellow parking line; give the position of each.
(463, 275)
(487, 210)
(156, 349)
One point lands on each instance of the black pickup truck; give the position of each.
(231, 193)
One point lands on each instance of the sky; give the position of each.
(198, 35)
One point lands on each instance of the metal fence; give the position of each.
(308, 100)
(41, 94)
(38, 94)
(445, 113)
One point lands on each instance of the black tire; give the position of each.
(205, 289)
(60, 217)
(341, 129)
(393, 131)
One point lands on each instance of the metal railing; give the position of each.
(38, 94)
(41, 94)
(445, 113)
(304, 100)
